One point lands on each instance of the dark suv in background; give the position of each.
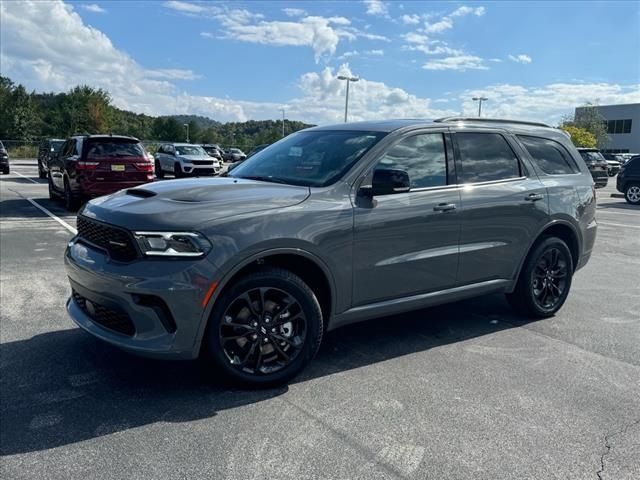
(4, 159)
(628, 181)
(329, 226)
(89, 166)
(597, 165)
(47, 149)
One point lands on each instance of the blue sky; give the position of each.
(241, 60)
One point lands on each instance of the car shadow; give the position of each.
(64, 387)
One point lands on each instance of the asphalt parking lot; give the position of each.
(467, 390)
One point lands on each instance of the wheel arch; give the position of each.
(311, 269)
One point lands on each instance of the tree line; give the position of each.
(29, 116)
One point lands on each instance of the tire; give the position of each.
(52, 193)
(252, 354)
(611, 174)
(71, 203)
(549, 255)
(5, 170)
(159, 171)
(632, 193)
(41, 173)
(177, 171)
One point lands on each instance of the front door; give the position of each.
(407, 243)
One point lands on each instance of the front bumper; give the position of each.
(125, 289)
(196, 170)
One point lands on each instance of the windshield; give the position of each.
(114, 149)
(55, 145)
(189, 150)
(592, 156)
(313, 159)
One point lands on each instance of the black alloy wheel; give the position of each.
(265, 328)
(545, 279)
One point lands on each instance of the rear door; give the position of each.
(503, 205)
(57, 165)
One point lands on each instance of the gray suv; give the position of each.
(329, 226)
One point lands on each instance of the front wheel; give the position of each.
(177, 171)
(159, 171)
(545, 279)
(41, 173)
(70, 201)
(632, 193)
(265, 328)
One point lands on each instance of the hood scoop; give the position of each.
(141, 192)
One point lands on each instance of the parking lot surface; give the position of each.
(467, 390)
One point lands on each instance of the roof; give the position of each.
(107, 136)
(391, 125)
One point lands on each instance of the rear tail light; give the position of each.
(144, 166)
(87, 165)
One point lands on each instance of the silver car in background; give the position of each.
(184, 159)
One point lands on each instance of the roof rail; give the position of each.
(490, 120)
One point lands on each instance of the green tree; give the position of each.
(588, 118)
(580, 136)
(22, 115)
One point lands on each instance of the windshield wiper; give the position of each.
(265, 178)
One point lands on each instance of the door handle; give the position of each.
(444, 207)
(534, 197)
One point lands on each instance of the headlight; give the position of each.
(172, 244)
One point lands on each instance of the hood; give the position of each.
(191, 203)
(196, 157)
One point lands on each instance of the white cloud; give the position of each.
(294, 12)
(92, 7)
(446, 22)
(365, 53)
(184, 6)
(376, 8)
(378, 52)
(412, 19)
(172, 74)
(458, 62)
(522, 58)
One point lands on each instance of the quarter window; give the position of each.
(486, 157)
(422, 156)
(550, 156)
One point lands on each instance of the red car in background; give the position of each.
(88, 166)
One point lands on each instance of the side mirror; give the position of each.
(389, 181)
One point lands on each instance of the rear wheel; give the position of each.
(632, 193)
(265, 328)
(545, 279)
(5, 170)
(158, 169)
(70, 201)
(41, 172)
(52, 193)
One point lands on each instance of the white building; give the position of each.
(623, 126)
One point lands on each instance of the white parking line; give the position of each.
(56, 218)
(618, 225)
(606, 210)
(28, 178)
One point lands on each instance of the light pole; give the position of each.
(186, 125)
(282, 109)
(480, 100)
(346, 102)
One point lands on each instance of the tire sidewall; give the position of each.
(538, 251)
(308, 302)
(626, 193)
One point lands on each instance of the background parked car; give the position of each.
(234, 155)
(628, 181)
(93, 165)
(4, 159)
(182, 159)
(614, 162)
(213, 150)
(49, 148)
(597, 165)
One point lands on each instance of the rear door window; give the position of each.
(549, 155)
(114, 149)
(486, 157)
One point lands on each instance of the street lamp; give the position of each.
(186, 125)
(480, 100)
(346, 102)
(282, 110)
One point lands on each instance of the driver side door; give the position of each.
(406, 243)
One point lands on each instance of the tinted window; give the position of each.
(627, 126)
(114, 149)
(549, 155)
(190, 150)
(312, 158)
(486, 157)
(422, 157)
(591, 156)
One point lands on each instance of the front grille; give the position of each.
(116, 241)
(202, 162)
(203, 171)
(108, 318)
